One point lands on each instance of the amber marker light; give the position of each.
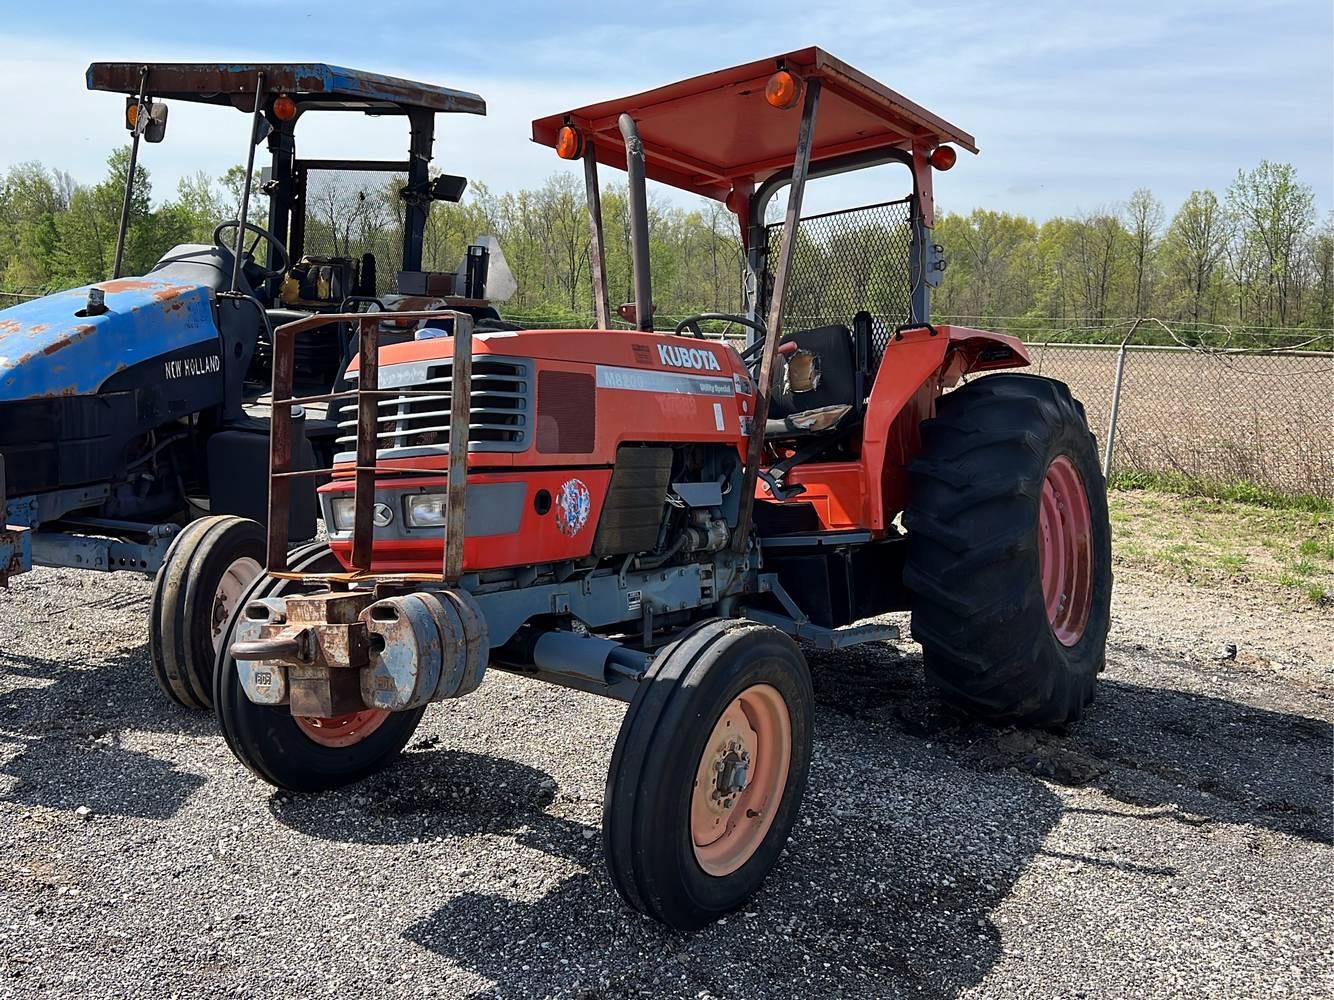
(284, 108)
(782, 90)
(569, 143)
(944, 157)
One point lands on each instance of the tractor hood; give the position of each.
(52, 347)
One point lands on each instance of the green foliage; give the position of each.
(1220, 269)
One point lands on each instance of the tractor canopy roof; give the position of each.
(314, 86)
(715, 132)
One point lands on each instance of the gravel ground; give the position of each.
(1176, 842)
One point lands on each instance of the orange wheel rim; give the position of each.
(1065, 550)
(340, 731)
(740, 779)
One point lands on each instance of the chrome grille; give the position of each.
(501, 407)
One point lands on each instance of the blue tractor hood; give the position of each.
(51, 347)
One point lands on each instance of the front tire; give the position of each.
(708, 772)
(1009, 551)
(300, 754)
(209, 565)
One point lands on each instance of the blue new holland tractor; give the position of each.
(134, 433)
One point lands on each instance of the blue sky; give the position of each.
(1074, 105)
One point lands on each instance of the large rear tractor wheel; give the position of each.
(708, 772)
(1009, 551)
(302, 753)
(207, 568)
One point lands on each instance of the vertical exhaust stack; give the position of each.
(634, 167)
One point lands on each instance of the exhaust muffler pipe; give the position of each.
(634, 167)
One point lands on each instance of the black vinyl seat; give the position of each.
(815, 385)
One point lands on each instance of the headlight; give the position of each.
(343, 512)
(425, 510)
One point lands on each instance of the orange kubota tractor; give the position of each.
(662, 519)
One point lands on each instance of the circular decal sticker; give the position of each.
(573, 505)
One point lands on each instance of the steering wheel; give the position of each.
(279, 251)
(691, 323)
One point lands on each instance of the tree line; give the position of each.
(1252, 257)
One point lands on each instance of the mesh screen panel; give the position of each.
(846, 262)
(353, 212)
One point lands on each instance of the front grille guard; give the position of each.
(367, 394)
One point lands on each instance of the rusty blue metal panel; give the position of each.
(234, 84)
(15, 552)
(48, 349)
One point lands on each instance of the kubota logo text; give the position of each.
(693, 357)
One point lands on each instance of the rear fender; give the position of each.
(917, 366)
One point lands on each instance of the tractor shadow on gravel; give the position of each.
(62, 736)
(916, 826)
(1204, 759)
(432, 793)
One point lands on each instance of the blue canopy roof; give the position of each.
(310, 84)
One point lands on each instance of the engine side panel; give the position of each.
(47, 349)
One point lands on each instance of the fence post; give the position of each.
(1116, 400)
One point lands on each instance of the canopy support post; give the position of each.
(597, 248)
(773, 328)
(139, 126)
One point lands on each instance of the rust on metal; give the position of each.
(321, 630)
(334, 609)
(133, 285)
(596, 250)
(280, 446)
(368, 410)
(234, 84)
(323, 693)
(460, 416)
(367, 394)
(15, 542)
(77, 334)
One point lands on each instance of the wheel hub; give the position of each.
(740, 779)
(732, 765)
(231, 588)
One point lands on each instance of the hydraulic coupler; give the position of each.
(331, 653)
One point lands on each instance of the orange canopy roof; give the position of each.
(709, 133)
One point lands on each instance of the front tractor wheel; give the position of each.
(302, 753)
(207, 568)
(1009, 551)
(708, 772)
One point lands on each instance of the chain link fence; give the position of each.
(1226, 416)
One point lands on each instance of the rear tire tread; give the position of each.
(972, 557)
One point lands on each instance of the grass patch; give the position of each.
(1211, 540)
(1321, 550)
(1242, 492)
